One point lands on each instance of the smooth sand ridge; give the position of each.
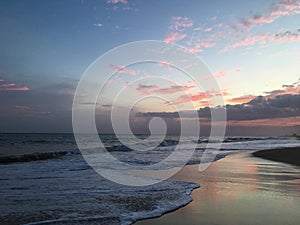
(239, 190)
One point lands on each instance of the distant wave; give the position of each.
(168, 142)
(34, 156)
(162, 150)
(233, 139)
(242, 139)
(119, 148)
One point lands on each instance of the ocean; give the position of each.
(45, 180)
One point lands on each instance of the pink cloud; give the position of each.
(203, 104)
(24, 88)
(293, 89)
(220, 74)
(224, 93)
(289, 5)
(288, 121)
(215, 33)
(180, 23)
(190, 98)
(283, 8)
(238, 70)
(8, 86)
(207, 44)
(198, 96)
(279, 12)
(223, 50)
(165, 64)
(196, 48)
(123, 70)
(174, 37)
(241, 99)
(146, 89)
(233, 33)
(124, 2)
(177, 28)
(173, 89)
(262, 39)
(262, 19)
(209, 29)
(211, 39)
(150, 89)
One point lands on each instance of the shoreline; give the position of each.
(244, 183)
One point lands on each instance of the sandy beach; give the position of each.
(239, 189)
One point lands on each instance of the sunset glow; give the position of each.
(252, 49)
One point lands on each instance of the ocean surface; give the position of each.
(45, 180)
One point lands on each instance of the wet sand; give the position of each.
(239, 190)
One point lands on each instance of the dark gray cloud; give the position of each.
(158, 114)
(262, 108)
(275, 92)
(259, 108)
(282, 106)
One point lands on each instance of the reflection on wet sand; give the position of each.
(240, 189)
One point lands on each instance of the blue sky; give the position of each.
(252, 47)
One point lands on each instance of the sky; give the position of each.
(250, 47)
